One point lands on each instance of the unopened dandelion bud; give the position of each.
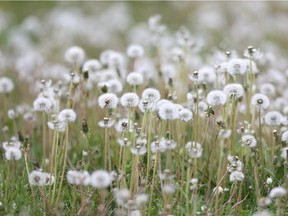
(85, 128)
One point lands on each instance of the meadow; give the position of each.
(178, 109)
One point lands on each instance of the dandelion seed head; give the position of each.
(108, 100)
(207, 75)
(75, 55)
(234, 90)
(135, 51)
(42, 104)
(114, 86)
(194, 149)
(135, 79)
(260, 101)
(122, 197)
(284, 153)
(37, 178)
(267, 89)
(185, 115)
(278, 192)
(6, 85)
(168, 112)
(13, 153)
(236, 176)
(248, 141)
(67, 115)
(262, 213)
(236, 66)
(216, 97)
(129, 99)
(273, 118)
(78, 177)
(100, 179)
(91, 66)
(152, 95)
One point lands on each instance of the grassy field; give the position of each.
(143, 108)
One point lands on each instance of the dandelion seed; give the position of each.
(185, 115)
(278, 192)
(218, 190)
(260, 100)
(91, 66)
(135, 79)
(168, 112)
(6, 85)
(236, 176)
(122, 197)
(248, 141)
(114, 86)
(234, 90)
(234, 164)
(75, 55)
(273, 118)
(11, 144)
(129, 100)
(158, 146)
(78, 177)
(138, 150)
(284, 153)
(107, 122)
(151, 95)
(194, 149)
(38, 178)
(59, 126)
(108, 100)
(13, 153)
(67, 115)
(42, 104)
(262, 213)
(135, 51)
(216, 97)
(100, 179)
(236, 66)
(207, 75)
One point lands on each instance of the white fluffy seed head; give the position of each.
(100, 179)
(78, 177)
(114, 86)
(168, 112)
(75, 55)
(134, 79)
(194, 149)
(248, 141)
(39, 178)
(237, 66)
(284, 153)
(267, 89)
(216, 97)
(6, 85)
(207, 75)
(129, 99)
(108, 100)
(152, 95)
(67, 115)
(13, 153)
(185, 115)
(42, 104)
(284, 137)
(91, 66)
(236, 176)
(260, 101)
(278, 192)
(135, 51)
(234, 90)
(273, 118)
